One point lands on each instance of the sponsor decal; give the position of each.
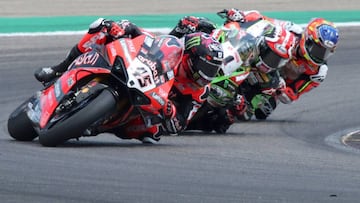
(131, 46)
(70, 81)
(195, 41)
(57, 89)
(112, 49)
(241, 77)
(158, 98)
(152, 65)
(170, 74)
(142, 76)
(149, 41)
(89, 58)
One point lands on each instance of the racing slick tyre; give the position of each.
(20, 126)
(75, 125)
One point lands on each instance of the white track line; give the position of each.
(160, 30)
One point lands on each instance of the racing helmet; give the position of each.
(206, 25)
(202, 59)
(318, 42)
(274, 49)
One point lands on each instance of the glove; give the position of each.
(321, 75)
(294, 28)
(235, 15)
(115, 30)
(287, 96)
(187, 25)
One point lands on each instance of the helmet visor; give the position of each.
(206, 71)
(317, 52)
(268, 59)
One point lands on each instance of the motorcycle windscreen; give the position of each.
(153, 70)
(94, 58)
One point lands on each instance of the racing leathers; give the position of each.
(268, 84)
(101, 31)
(299, 76)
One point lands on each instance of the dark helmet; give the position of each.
(205, 25)
(203, 56)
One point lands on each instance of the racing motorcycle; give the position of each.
(261, 88)
(101, 90)
(237, 82)
(224, 88)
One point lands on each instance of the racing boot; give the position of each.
(136, 129)
(47, 74)
(151, 138)
(224, 121)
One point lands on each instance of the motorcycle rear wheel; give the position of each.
(19, 125)
(75, 125)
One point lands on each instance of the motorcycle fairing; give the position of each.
(223, 88)
(87, 64)
(255, 28)
(152, 68)
(141, 70)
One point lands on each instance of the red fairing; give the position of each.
(48, 104)
(172, 50)
(161, 54)
(151, 65)
(51, 96)
(89, 40)
(126, 48)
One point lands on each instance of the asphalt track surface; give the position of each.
(291, 157)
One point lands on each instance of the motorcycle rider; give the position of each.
(308, 68)
(266, 59)
(200, 63)
(103, 31)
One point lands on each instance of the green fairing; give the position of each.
(258, 100)
(223, 89)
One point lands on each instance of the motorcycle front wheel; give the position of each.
(75, 125)
(19, 125)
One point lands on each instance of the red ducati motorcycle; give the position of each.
(102, 89)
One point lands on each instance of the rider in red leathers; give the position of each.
(200, 63)
(308, 68)
(101, 31)
(267, 56)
